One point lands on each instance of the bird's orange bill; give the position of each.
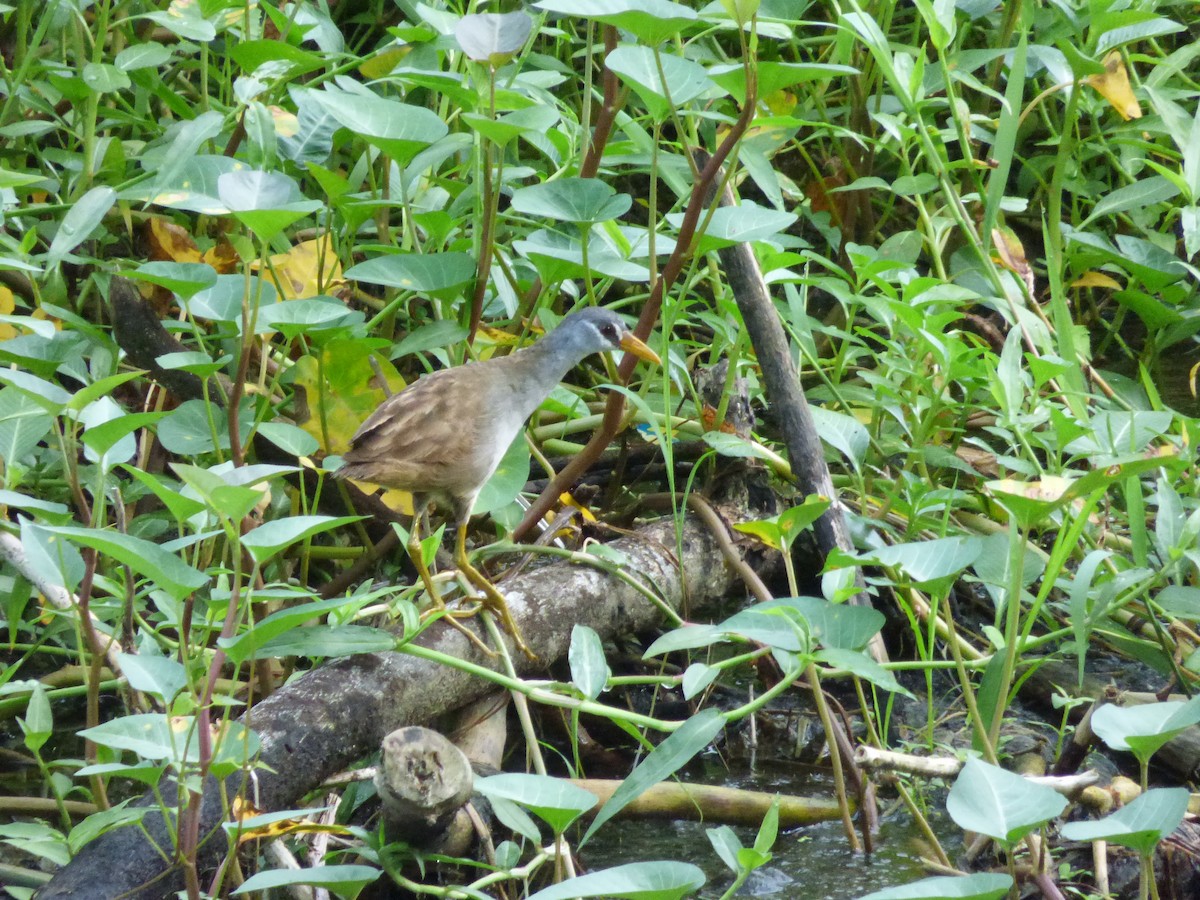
(630, 344)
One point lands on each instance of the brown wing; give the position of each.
(425, 438)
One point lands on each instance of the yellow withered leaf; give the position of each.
(1094, 279)
(308, 269)
(1114, 87)
(1011, 254)
(8, 305)
(170, 242)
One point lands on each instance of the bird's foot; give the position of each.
(493, 601)
(452, 616)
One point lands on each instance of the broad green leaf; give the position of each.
(531, 121)
(559, 257)
(663, 761)
(774, 76)
(149, 55)
(741, 224)
(863, 666)
(737, 447)
(1121, 31)
(1004, 806)
(398, 129)
(23, 424)
(929, 561)
(194, 428)
(639, 66)
(727, 845)
(773, 623)
(51, 556)
(165, 570)
(186, 21)
(665, 880)
(52, 512)
(843, 432)
(653, 21)
(185, 279)
(265, 202)
(557, 802)
(507, 481)
(1138, 826)
(345, 880)
(426, 272)
(1141, 194)
(152, 736)
(104, 821)
(799, 518)
(179, 165)
(194, 361)
(245, 645)
(291, 439)
(143, 773)
(980, 886)
(831, 624)
(572, 199)
(328, 642)
(1143, 729)
(105, 78)
(181, 507)
(687, 637)
(46, 394)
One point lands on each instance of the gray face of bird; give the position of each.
(592, 331)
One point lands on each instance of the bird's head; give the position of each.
(594, 330)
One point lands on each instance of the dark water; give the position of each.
(810, 862)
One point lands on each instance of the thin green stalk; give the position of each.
(1012, 627)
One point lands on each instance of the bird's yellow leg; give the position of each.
(418, 560)
(492, 598)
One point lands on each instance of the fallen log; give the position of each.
(319, 724)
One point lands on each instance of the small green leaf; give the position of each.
(663, 761)
(271, 537)
(493, 37)
(157, 675)
(697, 677)
(589, 668)
(84, 216)
(38, 723)
(105, 78)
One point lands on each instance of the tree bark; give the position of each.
(321, 723)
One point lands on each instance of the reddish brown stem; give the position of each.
(615, 407)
